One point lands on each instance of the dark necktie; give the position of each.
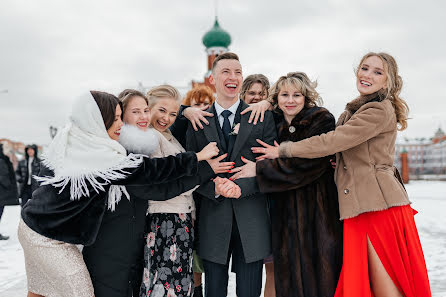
(226, 128)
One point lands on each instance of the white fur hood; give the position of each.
(138, 141)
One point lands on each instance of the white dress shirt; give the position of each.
(30, 170)
(219, 109)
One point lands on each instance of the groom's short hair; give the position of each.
(225, 56)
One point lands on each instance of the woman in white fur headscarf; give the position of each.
(118, 273)
(83, 173)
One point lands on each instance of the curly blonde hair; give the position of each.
(394, 85)
(300, 81)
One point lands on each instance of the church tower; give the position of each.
(217, 42)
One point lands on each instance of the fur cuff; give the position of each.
(285, 149)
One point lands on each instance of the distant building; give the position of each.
(439, 136)
(436, 158)
(15, 150)
(425, 156)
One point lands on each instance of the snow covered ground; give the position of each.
(429, 198)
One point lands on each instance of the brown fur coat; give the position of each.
(306, 231)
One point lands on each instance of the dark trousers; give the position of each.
(26, 194)
(1, 211)
(248, 275)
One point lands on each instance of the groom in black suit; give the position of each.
(232, 226)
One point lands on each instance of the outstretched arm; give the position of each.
(249, 185)
(168, 190)
(194, 115)
(207, 188)
(257, 111)
(164, 191)
(285, 174)
(281, 174)
(161, 170)
(361, 127)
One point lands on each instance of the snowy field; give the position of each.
(429, 198)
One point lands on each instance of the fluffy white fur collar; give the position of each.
(138, 141)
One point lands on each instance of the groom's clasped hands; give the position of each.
(226, 186)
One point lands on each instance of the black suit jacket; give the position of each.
(250, 210)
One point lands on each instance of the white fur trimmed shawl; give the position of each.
(83, 155)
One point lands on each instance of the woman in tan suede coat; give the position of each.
(382, 251)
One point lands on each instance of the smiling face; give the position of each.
(371, 76)
(115, 130)
(290, 101)
(137, 113)
(163, 113)
(256, 93)
(203, 105)
(227, 78)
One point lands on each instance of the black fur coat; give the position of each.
(306, 230)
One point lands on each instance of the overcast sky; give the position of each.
(53, 51)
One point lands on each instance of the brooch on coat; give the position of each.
(235, 129)
(292, 129)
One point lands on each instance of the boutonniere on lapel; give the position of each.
(235, 129)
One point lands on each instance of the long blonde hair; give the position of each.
(394, 86)
(162, 91)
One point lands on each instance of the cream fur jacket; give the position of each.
(183, 203)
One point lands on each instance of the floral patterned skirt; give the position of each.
(168, 256)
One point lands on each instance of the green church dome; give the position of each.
(216, 37)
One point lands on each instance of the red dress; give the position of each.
(394, 237)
